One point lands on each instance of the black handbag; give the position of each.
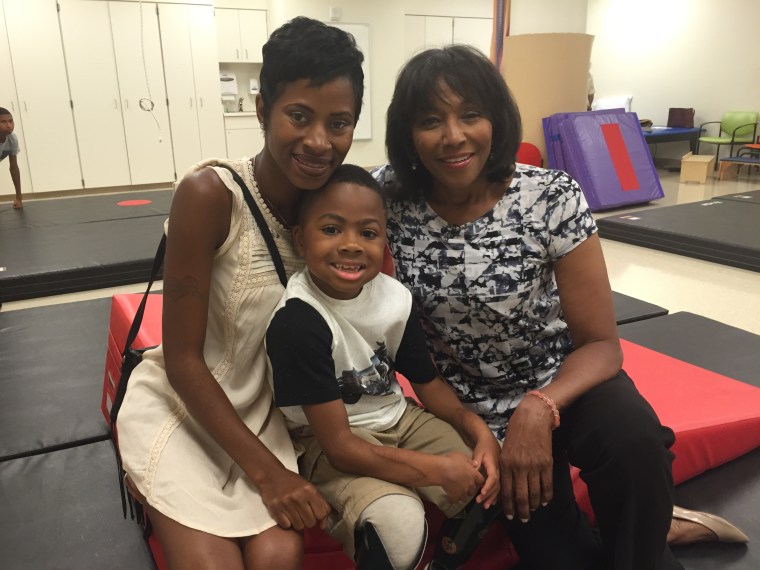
(681, 117)
(131, 357)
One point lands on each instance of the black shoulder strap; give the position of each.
(258, 216)
(137, 321)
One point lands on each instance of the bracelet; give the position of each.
(549, 402)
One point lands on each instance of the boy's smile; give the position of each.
(342, 238)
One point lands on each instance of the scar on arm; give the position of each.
(176, 289)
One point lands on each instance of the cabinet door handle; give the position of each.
(126, 103)
(25, 109)
(191, 101)
(115, 104)
(13, 107)
(201, 100)
(237, 53)
(246, 53)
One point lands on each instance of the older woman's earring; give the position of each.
(414, 165)
(490, 157)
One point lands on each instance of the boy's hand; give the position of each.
(460, 476)
(294, 502)
(486, 453)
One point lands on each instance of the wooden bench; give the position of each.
(726, 170)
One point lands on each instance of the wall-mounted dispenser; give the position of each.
(228, 85)
(254, 86)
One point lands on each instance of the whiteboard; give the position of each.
(360, 32)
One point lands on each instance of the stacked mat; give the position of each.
(605, 151)
(723, 230)
(60, 497)
(78, 244)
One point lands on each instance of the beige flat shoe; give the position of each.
(724, 530)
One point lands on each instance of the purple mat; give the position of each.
(605, 151)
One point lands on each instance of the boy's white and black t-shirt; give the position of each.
(322, 349)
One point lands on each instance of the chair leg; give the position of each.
(717, 152)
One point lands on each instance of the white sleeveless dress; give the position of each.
(172, 460)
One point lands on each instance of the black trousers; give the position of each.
(614, 436)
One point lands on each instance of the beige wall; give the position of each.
(677, 53)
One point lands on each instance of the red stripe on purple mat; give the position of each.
(621, 160)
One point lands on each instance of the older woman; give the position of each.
(506, 266)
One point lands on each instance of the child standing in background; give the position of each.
(9, 147)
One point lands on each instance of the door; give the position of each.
(475, 32)
(206, 74)
(40, 73)
(180, 86)
(95, 92)
(438, 31)
(253, 34)
(9, 100)
(141, 80)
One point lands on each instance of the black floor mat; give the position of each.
(721, 231)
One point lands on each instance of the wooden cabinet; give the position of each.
(241, 34)
(34, 38)
(188, 37)
(435, 31)
(244, 135)
(9, 100)
(94, 85)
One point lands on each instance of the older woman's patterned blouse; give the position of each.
(486, 290)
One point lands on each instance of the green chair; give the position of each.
(737, 128)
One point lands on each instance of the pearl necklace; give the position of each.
(268, 206)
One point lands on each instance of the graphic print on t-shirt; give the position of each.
(375, 380)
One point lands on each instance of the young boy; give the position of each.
(335, 341)
(9, 147)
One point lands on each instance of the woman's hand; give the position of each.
(526, 460)
(293, 502)
(460, 476)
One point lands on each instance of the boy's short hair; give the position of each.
(308, 49)
(4, 111)
(344, 174)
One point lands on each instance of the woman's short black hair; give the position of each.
(307, 49)
(344, 174)
(475, 79)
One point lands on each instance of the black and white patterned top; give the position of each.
(486, 290)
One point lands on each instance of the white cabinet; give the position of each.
(188, 37)
(435, 31)
(244, 135)
(141, 81)
(9, 100)
(241, 34)
(34, 38)
(112, 69)
(94, 86)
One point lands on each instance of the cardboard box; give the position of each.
(695, 167)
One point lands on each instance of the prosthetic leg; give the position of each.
(461, 534)
(370, 550)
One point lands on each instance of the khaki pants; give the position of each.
(350, 494)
